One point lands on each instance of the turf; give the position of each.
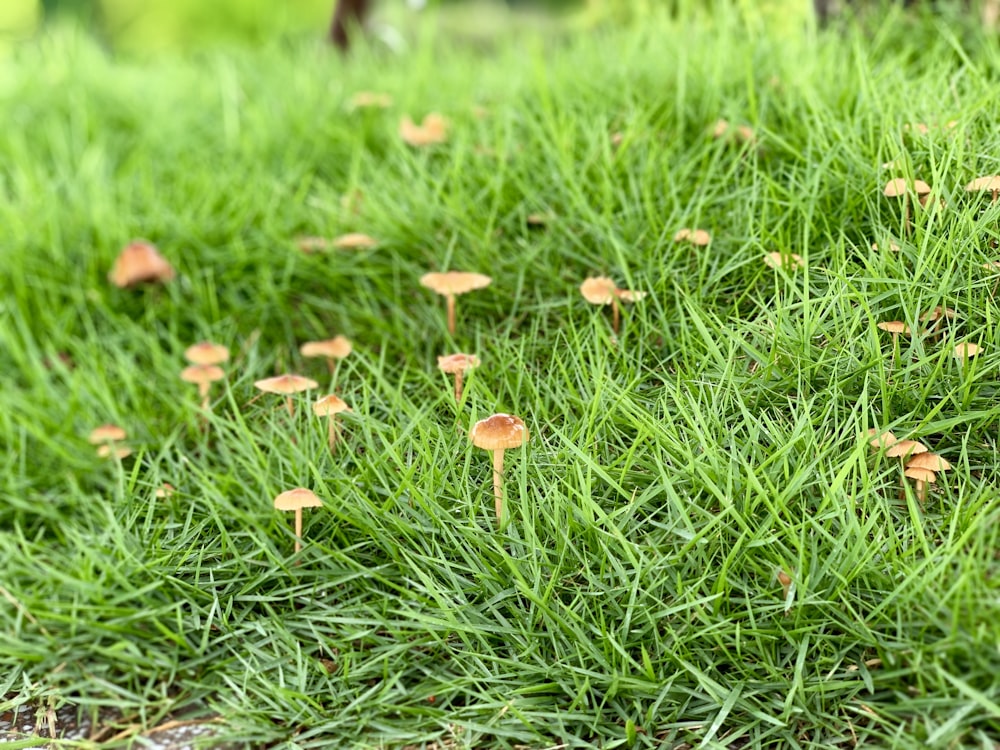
(632, 596)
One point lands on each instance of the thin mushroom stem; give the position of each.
(298, 530)
(615, 315)
(451, 314)
(203, 389)
(458, 386)
(906, 213)
(332, 432)
(498, 483)
(291, 407)
(922, 491)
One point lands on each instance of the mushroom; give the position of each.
(457, 365)
(930, 461)
(879, 440)
(897, 188)
(786, 583)
(332, 349)
(138, 263)
(329, 407)
(698, 237)
(203, 376)
(905, 448)
(118, 451)
(966, 350)
(206, 353)
(989, 182)
(355, 241)
(788, 261)
(449, 284)
(923, 477)
(106, 433)
(935, 317)
(434, 129)
(286, 385)
(497, 434)
(296, 500)
(895, 327)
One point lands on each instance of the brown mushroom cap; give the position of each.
(206, 353)
(966, 350)
(336, 348)
(499, 432)
(202, 374)
(355, 241)
(106, 433)
(119, 452)
(300, 497)
(894, 326)
(923, 475)
(630, 295)
(140, 262)
(460, 362)
(698, 237)
(938, 312)
(895, 188)
(330, 405)
(454, 282)
(989, 182)
(286, 384)
(434, 129)
(789, 261)
(905, 448)
(598, 290)
(929, 461)
(881, 439)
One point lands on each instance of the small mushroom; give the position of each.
(600, 290)
(139, 263)
(355, 241)
(296, 500)
(329, 407)
(450, 284)
(879, 440)
(286, 385)
(966, 350)
(788, 261)
(457, 365)
(106, 433)
(331, 349)
(898, 188)
(698, 237)
(895, 327)
(923, 478)
(497, 434)
(989, 183)
(931, 461)
(203, 376)
(905, 448)
(786, 583)
(206, 353)
(433, 130)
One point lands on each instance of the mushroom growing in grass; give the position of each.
(966, 350)
(331, 349)
(497, 434)
(698, 237)
(355, 241)
(880, 440)
(457, 365)
(989, 183)
(434, 129)
(600, 290)
(895, 327)
(206, 353)
(108, 438)
(296, 500)
(286, 385)
(329, 407)
(450, 284)
(140, 263)
(787, 261)
(203, 376)
(898, 188)
(923, 478)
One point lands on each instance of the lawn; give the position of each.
(699, 547)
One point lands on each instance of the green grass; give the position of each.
(632, 598)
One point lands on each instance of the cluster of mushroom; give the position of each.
(917, 460)
(204, 359)
(933, 320)
(600, 290)
(901, 188)
(108, 439)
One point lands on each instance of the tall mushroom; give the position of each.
(296, 500)
(203, 376)
(286, 385)
(898, 188)
(139, 263)
(331, 349)
(458, 364)
(990, 183)
(329, 407)
(497, 434)
(206, 353)
(452, 283)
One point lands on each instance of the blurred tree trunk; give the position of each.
(347, 16)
